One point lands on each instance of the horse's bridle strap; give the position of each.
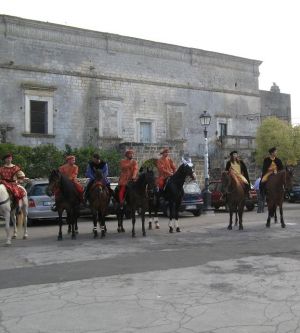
(4, 202)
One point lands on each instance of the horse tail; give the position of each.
(20, 219)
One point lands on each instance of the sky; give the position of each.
(266, 30)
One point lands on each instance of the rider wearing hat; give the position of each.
(238, 167)
(166, 168)
(96, 164)
(70, 169)
(129, 171)
(271, 165)
(10, 174)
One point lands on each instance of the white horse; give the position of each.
(10, 214)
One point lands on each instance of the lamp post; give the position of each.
(205, 119)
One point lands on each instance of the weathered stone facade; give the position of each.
(104, 90)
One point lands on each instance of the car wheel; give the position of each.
(197, 212)
(287, 196)
(250, 207)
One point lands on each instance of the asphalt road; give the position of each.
(203, 260)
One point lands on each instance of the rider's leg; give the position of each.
(122, 189)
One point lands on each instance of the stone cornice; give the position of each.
(23, 28)
(125, 79)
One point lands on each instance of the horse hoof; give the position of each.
(103, 234)
(25, 236)
(8, 242)
(229, 227)
(95, 234)
(178, 229)
(76, 232)
(170, 230)
(119, 230)
(74, 236)
(267, 225)
(14, 236)
(150, 226)
(59, 238)
(282, 225)
(275, 221)
(133, 235)
(241, 227)
(157, 226)
(144, 234)
(122, 229)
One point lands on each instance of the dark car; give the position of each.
(294, 193)
(192, 200)
(218, 200)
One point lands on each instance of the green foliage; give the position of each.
(37, 162)
(278, 133)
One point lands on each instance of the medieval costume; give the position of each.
(9, 176)
(129, 171)
(96, 164)
(166, 168)
(70, 169)
(239, 169)
(271, 165)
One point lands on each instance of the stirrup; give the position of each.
(54, 208)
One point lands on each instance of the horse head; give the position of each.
(54, 179)
(289, 173)
(98, 175)
(225, 182)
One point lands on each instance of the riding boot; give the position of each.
(54, 208)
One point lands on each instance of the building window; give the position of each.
(223, 129)
(39, 111)
(38, 117)
(145, 132)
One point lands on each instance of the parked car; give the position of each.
(218, 200)
(39, 202)
(294, 193)
(192, 200)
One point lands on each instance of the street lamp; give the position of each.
(205, 119)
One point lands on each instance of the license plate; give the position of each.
(191, 207)
(47, 203)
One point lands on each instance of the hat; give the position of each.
(70, 157)
(271, 150)
(233, 152)
(129, 151)
(187, 160)
(7, 155)
(165, 150)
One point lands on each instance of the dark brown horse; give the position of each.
(235, 196)
(99, 198)
(275, 188)
(67, 198)
(137, 196)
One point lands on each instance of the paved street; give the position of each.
(204, 279)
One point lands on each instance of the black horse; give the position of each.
(173, 194)
(67, 198)
(137, 196)
(99, 198)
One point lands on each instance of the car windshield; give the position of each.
(38, 189)
(191, 188)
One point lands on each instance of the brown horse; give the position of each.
(236, 197)
(99, 198)
(275, 187)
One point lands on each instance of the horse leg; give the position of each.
(102, 223)
(275, 215)
(25, 213)
(73, 222)
(230, 218)
(171, 227)
(95, 232)
(7, 215)
(240, 213)
(60, 222)
(13, 219)
(133, 222)
(236, 217)
(268, 219)
(281, 216)
(177, 217)
(156, 207)
(143, 221)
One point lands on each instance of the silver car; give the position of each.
(39, 203)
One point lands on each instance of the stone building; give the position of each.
(64, 85)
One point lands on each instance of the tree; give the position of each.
(274, 132)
